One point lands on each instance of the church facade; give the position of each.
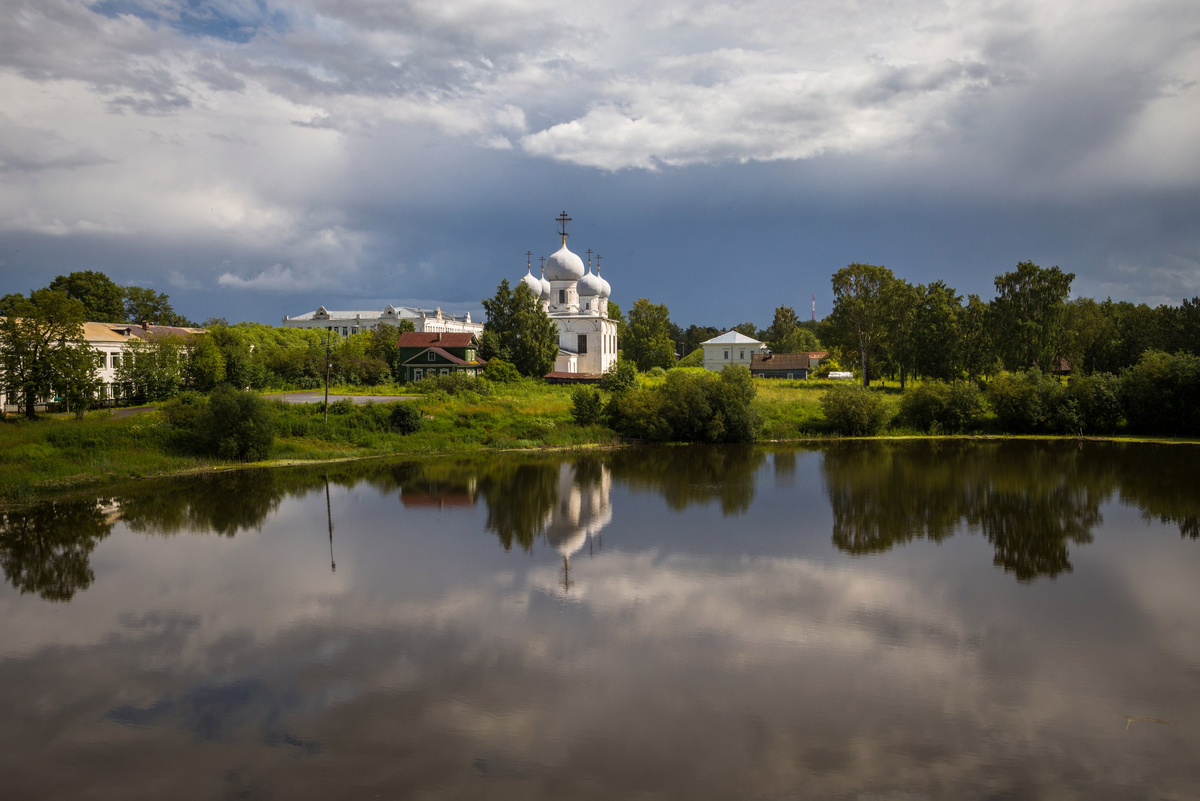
(576, 299)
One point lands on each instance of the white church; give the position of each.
(576, 299)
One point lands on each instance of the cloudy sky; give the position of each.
(256, 158)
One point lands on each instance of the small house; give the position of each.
(426, 353)
(786, 365)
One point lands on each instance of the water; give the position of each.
(915, 620)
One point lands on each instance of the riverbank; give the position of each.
(58, 455)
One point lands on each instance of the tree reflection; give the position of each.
(1031, 500)
(221, 503)
(695, 474)
(46, 548)
(1159, 480)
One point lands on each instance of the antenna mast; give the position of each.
(814, 307)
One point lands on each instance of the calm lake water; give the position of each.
(886, 621)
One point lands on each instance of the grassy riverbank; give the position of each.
(60, 453)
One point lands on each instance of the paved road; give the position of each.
(318, 397)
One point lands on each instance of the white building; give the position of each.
(577, 301)
(730, 348)
(423, 320)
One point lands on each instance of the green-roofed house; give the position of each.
(426, 353)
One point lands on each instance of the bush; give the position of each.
(1097, 400)
(1161, 394)
(693, 359)
(936, 406)
(656, 372)
(501, 372)
(620, 377)
(689, 406)
(854, 411)
(405, 418)
(342, 406)
(586, 406)
(1035, 403)
(233, 424)
(456, 384)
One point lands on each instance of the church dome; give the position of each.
(590, 286)
(545, 286)
(564, 265)
(605, 290)
(533, 283)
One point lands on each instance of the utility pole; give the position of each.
(328, 333)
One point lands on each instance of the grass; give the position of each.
(54, 454)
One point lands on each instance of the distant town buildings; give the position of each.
(729, 348)
(347, 322)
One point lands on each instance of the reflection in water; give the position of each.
(1030, 499)
(45, 548)
(706, 656)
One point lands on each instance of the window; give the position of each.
(741, 354)
(445, 371)
(562, 296)
(760, 375)
(587, 306)
(471, 356)
(726, 354)
(432, 355)
(789, 375)
(417, 374)
(583, 343)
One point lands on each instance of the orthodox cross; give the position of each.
(589, 252)
(563, 219)
(597, 264)
(528, 260)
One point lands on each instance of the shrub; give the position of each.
(1035, 403)
(586, 406)
(656, 372)
(342, 406)
(693, 359)
(938, 406)
(233, 425)
(501, 372)
(854, 411)
(620, 377)
(690, 406)
(1097, 400)
(405, 418)
(456, 384)
(1161, 394)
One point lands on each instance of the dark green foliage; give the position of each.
(936, 407)
(693, 359)
(103, 301)
(1029, 314)
(860, 311)
(1097, 399)
(405, 418)
(1033, 402)
(42, 353)
(46, 548)
(586, 406)
(499, 371)
(647, 338)
(455, 384)
(233, 425)
(342, 406)
(519, 331)
(854, 411)
(690, 406)
(143, 304)
(1161, 394)
(656, 372)
(620, 377)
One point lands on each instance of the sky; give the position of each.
(256, 158)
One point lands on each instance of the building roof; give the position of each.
(389, 313)
(732, 338)
(780, 361)
(426, 339)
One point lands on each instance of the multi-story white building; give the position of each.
(729, 348)
(577, 301)
(423, 320)
(111, 341)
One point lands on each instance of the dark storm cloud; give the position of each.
(410, 148)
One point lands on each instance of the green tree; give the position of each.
(205, 367)
(143, 304)
(902, 301)
(785, 334)
(9, 302)
(860, 311)
(152, 369)
(383, 342)
(79, 385)
(103, 301)
(519, 331)
(748, 329)
(648, 340)
(937, 339)
(976, 356)
(35, 343)
(1028, 315)
(615, 314)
